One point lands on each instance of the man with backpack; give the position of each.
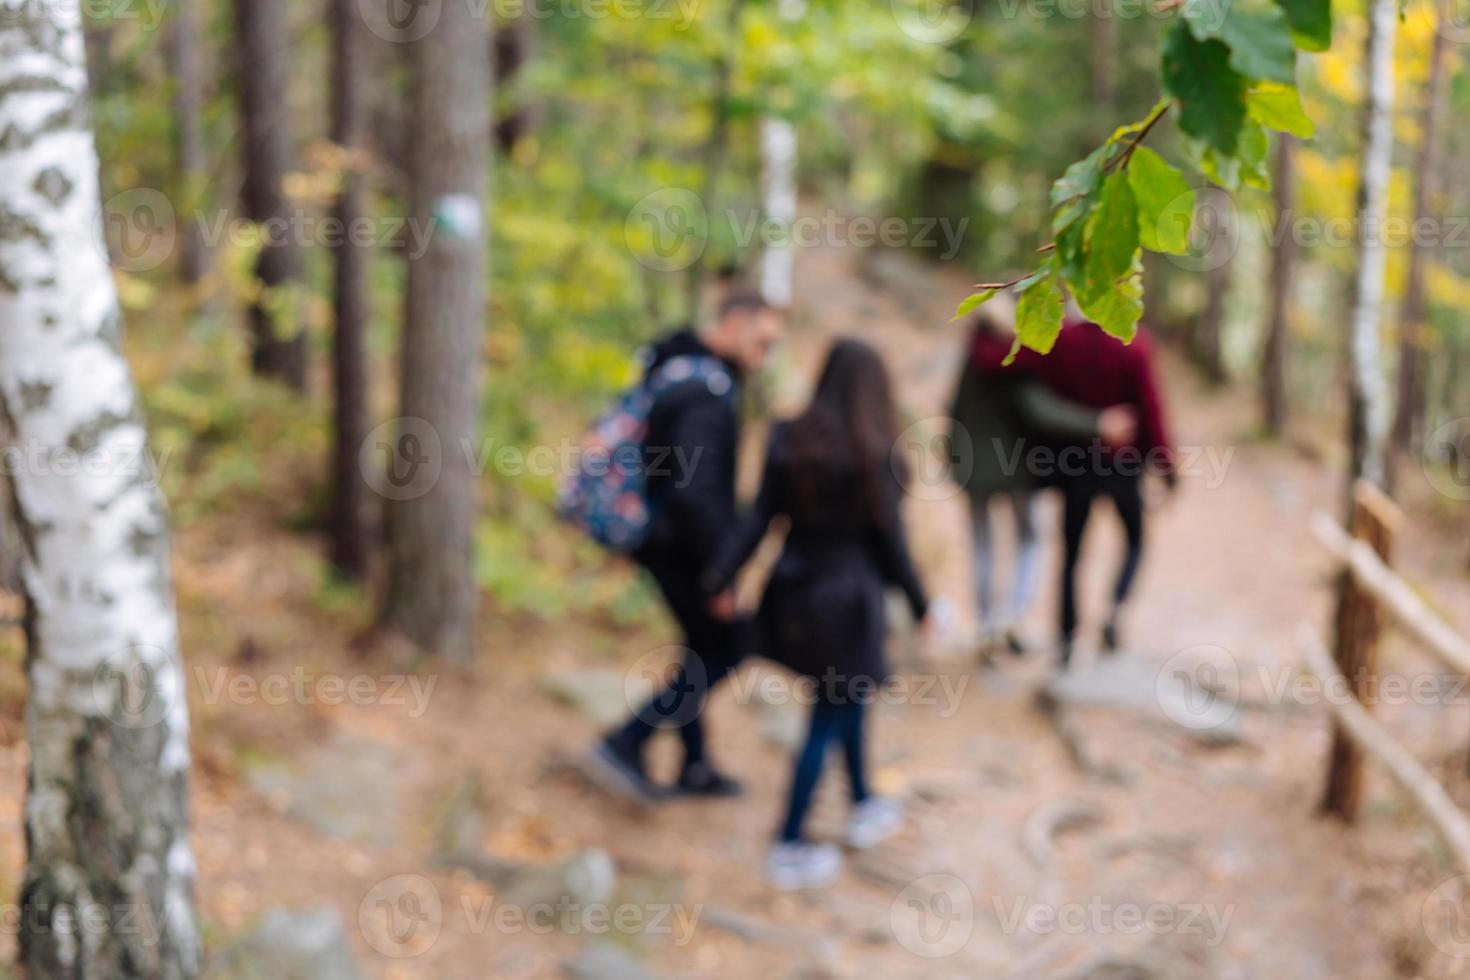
(691, 394)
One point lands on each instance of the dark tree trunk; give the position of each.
(515, 47)
(716, 147)
(1273, 355)
(188, 138)
(1104, 64)
(431, 523)
(279, 349)
(1410, 408)
(1209, 341)
(349, 354)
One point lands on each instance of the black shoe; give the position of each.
(1110, 637)
(698, 779)
(1015, 644)
(618, 768)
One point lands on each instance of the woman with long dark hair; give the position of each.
(833, 475)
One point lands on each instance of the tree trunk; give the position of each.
(1273, 355)
(188, 138)
(1104, 64)
(1208, 339)
(431, 520)
(1426, 189)
(716, 147)
(515, 46)
(778, 153)
(279, 349)
(1367, 397)
(349, 352)
(778, 202)
(106, 820)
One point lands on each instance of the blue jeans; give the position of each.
(830, 722)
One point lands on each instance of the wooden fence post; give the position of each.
(1359, 621)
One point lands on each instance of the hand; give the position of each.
(722, 606)
(1118, 425)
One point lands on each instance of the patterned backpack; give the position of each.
(607, 494)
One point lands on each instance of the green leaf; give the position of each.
(1073, 194)
(1311, 23)
(1165, 202)
(971, 304)
(1257, 33)
(1279, 107)
(1211, 94)
(1039, 315)
(1118, 310)
(1034, 278)
(1112, 235)
(1071, 253)
(1255, 148)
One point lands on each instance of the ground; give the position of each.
(428, 817)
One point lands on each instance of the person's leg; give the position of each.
(983, 554)
(1026, 504)
(808, 770)
(1127, 496)
(1077, 505)
(851, 733)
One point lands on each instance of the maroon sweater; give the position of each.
(1094, 369)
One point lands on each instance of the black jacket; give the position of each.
(823, 613)
(693, 434)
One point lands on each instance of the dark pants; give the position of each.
(830, 722)
(713, 649)
(1079, 493)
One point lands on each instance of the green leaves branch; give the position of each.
(1230, 68)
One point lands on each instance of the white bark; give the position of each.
(778, 145)
(107, 718)
(778, 200)
(1369, 394)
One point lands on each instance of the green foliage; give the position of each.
(1231, 70)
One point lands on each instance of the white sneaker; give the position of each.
(873, 821)
(794, 866)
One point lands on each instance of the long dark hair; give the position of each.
(840, 450)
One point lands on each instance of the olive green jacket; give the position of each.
(997, 419)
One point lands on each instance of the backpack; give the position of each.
(606, 495)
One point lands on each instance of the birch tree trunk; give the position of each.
(1283, 266)
(778, 201)
(109, 874)
(431, 589)
(183, 57)
(1367, 396)
(349, 350)
(1410, 400)
(279, 348)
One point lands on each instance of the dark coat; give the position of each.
(690, 446)
(822, 613)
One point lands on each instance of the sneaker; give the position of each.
(618, 768)
(700, 779)
(799, 864)
(1015, 644)
(873, 821)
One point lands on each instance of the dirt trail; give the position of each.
(1170, 859)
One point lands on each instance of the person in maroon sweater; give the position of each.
(1094, 369)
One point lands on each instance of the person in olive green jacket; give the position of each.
(1000, 412)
